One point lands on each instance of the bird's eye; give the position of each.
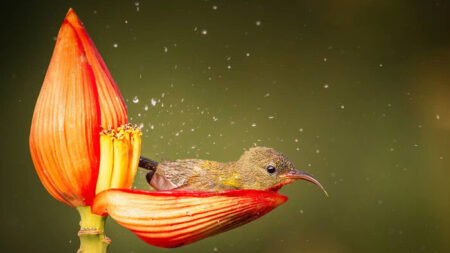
(270, 169)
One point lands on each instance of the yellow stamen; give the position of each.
(106, 162)
(119, 157)
(134, 156)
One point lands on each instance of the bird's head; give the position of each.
(266, 168)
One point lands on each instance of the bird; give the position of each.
(258, 168)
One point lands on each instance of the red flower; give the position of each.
(176, 218)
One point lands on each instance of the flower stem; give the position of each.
(92, 232)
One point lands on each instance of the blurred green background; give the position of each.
(354, 92)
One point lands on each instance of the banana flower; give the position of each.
(86, 155)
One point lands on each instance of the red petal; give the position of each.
(77, 97)
(112, 106)
(176, 218)
(64, 137)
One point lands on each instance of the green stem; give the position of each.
(92, 232)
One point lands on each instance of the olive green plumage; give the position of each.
(258, 168)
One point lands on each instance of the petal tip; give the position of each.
(279, 200)
(71, 13)
(72, 18)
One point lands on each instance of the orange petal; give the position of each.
(77, 98)
(176, 218)
(64, 137)
(112, 106)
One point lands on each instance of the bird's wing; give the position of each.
(175, 174)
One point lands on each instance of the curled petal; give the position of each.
(114, 112)
(78, 98)
(64, 136)
(176, 218)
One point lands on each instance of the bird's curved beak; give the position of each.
(295, 174)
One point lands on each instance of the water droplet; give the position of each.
(300, 130)
(267, 94)
(115, 45)
(204, 32)
(325, 86)
(229, 67)
(247, 54)
(166, 49)
(342, 107)
(258, 22)
(253, 124)
(270, 117)
(380, 65)
(438, 117)
(137, 6)
(135, 100)
(325, 59)
(153, 102)
(146, 108)
(214, 7)
(215, 118)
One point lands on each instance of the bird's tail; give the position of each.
(149, 165)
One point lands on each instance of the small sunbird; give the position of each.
(259, 168)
